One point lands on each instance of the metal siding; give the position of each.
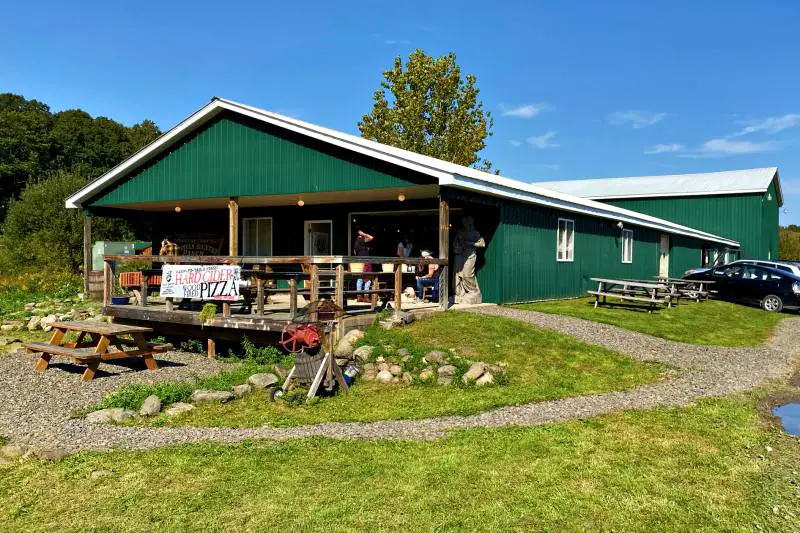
(770, 220)
(238, 157)
(737, 217)
(529, 265)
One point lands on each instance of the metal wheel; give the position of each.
(772, 303)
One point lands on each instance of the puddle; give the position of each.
(789, 415)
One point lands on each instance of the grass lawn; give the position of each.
(713, 322)
(698, 468)
(541, 365)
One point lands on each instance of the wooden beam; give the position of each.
(212, 348)
(226, 309)
(260, 296)
(444, 248)
(108, 282)
(233, 226)
(314, 271)
(398, 287)
(143, 299)
(292, 297)
(169, 304)
(339, 295)
(273, 260)
(87, 254)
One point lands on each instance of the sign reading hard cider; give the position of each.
(205, 282)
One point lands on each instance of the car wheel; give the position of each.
(772, 303)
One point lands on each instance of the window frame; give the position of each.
(244, 222)
(569, 250)
(628, 232)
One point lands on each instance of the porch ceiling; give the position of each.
(368, 195)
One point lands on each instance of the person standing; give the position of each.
(363, 248)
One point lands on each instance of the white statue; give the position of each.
(465, 245)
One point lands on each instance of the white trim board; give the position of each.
(447, 174)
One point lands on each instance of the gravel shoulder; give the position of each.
(35, 409)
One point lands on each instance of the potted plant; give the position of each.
(119, 296)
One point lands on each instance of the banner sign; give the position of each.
(205, 282)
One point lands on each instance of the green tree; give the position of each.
(426, 106)
(40, 233)
(789, 243)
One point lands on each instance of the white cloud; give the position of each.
(665, 148)
(543, 141)
(525, 110)
(636, 118)
(515, 144)
(769, 124)
(726, 147)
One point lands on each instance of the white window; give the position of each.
(257, 236)
(565, 240)
(627, 246)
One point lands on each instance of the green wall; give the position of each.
(237, 156)
(751, 219)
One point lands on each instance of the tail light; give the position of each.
(796, 288)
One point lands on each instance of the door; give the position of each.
(663, 258)
(318, 237)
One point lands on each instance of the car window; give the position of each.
(784, 268)
(729, 271)
(753, 272)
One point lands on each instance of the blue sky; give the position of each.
(578, 89)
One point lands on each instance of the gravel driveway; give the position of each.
(703, 371)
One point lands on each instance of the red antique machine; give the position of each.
(309, 337)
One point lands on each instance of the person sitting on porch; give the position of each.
(405, 246)
(428, 279)
(168, 247)
(362, 248)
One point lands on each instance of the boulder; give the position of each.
(383, 367)
(343, 350)
(9, 327)
(263, 380)
(363, 353)
(151, 406)
(51, 454)
(114, 414)
(13, 451)
(444, 380)
(395, 380)
(384, 376)
(436, 357)
(241, 390)
(47, 322)
(446, 370)
(486, 379)
(407, 378)
(427, 374)
(475, 371)
(353, 336)
(369, 375)
(396, 370)
(34, 323)
(179, 408)
(30, 306)
(204, 395)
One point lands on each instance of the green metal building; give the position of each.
(742, 205)
(300, 189)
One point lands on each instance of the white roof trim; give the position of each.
(447, 174)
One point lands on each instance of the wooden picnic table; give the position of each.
(93, 345)
(633, 290)
(696, 289)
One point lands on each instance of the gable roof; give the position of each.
(754, 180)
(448, 174)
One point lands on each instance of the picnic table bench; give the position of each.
(695, 289)
(93, 345)
(634, 291)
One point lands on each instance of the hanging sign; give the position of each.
(204, 282)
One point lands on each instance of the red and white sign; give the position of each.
(204, 282)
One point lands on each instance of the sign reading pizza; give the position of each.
(205, 282)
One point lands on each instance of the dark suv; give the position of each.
(772, 289)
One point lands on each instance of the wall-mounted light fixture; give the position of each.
(300, 203)
(620, 225)
(401, 197)
(177, 209)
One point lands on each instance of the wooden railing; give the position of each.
(333, 269)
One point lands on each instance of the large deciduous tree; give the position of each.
(428, 107)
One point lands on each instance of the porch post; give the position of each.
(444, 247)
(233, 226)
(87, 254)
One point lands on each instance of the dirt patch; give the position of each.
(775, 399)
(794, 381)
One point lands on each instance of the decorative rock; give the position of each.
(5, 341)
(403, 352)
(446, 370)
(395, 380)
(179, 408)
(437, 357)
(105, 416)
(353, 336)
(444, 380)
(383, 367)
(396, 370)
(13, 451)
(380, 359)
(427, 374)
(30, 306)
(97, 474)
(363, 353)
(4, 461)
(407, 378)
(34, 322)
(384, 376)
(369, 375)
(240, 390)
(151, 406)
(486, 379)
(281, 371)
(47, 322)
(263, 380)
(51, 454)
(475, 371)
(9, 327)
(342, 362)
(203, 395)
(406, 358)
(344, 349)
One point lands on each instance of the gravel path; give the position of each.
(703, 371)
